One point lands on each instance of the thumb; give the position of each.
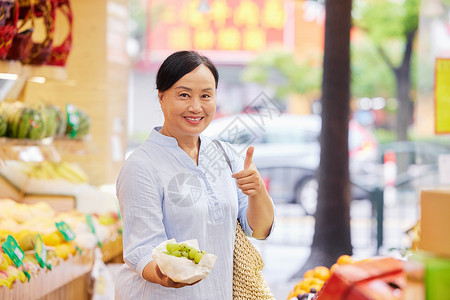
(248, 157)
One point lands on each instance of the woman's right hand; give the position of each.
(153, 274)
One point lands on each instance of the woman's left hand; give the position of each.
(249, 180)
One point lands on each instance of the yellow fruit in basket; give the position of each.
(321, 272)
(62, 251)
(53, 239)
(3, 263)
(7, 259)
(27, 242)
(345, 260)
(4, 282)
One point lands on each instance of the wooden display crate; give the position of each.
(68, 280)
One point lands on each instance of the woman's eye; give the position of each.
(184, 95)
(206, 96)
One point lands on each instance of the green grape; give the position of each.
(198, 257)
(192, 253)
(169, 247)
(184, 250)
(176, 247)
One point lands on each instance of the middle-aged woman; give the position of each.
(177, 184)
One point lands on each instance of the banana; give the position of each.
(76, 173)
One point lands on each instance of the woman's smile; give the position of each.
(194, 120)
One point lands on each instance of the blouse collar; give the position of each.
(165, 140)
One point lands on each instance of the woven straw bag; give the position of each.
(248, 280)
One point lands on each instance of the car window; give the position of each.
(240, 135)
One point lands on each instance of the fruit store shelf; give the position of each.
(112, 250)
(27, 150)
(68, 280)
(57, 202)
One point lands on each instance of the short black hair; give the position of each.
(179, 64)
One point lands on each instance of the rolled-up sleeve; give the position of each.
(140, 205)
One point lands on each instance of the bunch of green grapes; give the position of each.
(183, 250)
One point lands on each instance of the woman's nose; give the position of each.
(195, 105)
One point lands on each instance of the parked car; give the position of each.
(287, 152)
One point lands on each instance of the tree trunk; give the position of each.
(403, 81)
(332, 226)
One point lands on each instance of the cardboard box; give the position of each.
(435, 222)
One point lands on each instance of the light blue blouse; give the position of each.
(163, 194)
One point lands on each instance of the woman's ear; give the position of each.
(160, 96)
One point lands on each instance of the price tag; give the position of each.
(13, 250)
(40, 251)
(92, 227)
(65, 230)
(73, 119)
(27, 274)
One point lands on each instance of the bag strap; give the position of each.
(219, 145)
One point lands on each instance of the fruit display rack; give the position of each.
(70, 279)
(113, 249)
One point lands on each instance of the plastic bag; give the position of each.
(103, 279)
(180, 269)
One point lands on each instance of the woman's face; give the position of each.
(190, 104)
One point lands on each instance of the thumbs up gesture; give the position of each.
(249, 180)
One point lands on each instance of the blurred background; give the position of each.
(270, 57)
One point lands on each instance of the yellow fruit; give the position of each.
(53, 239)
(7, 259)
(3, 263)
(345, 260)
(4, 282)
(63, 250)
(27, 242)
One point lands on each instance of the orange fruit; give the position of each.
(308, 274)
(306, 283)
(345, 260)
(333, 268)
(317, 281)
(321, 272)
